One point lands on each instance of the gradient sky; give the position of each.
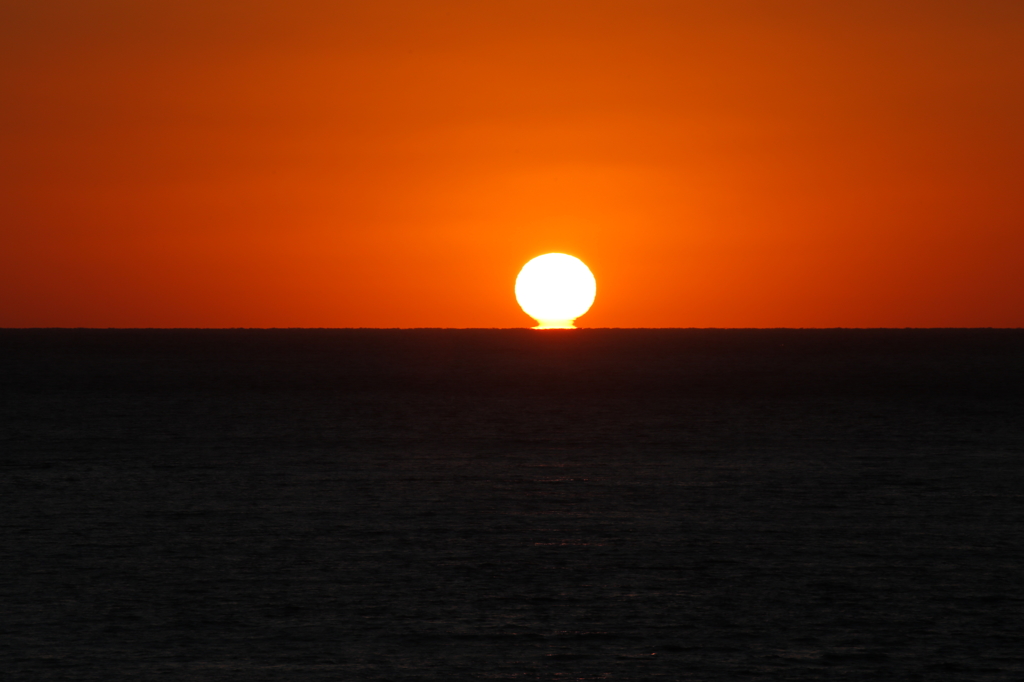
(394, 164)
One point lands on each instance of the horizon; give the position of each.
(504, 329)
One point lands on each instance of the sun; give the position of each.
(555, 289)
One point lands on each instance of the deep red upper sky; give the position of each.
(732, 164)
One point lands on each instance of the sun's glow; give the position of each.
(555, 289)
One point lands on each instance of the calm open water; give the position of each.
(475, 504)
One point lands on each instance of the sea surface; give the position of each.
(511, 505)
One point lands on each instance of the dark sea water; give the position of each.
(475, 504)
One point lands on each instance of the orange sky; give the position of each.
(393, 164)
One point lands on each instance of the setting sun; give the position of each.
(555, 289)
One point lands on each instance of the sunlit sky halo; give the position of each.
(206, 177)
(555, 289)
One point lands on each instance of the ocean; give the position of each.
(511, 505)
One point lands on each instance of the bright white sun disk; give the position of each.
(555, 289)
